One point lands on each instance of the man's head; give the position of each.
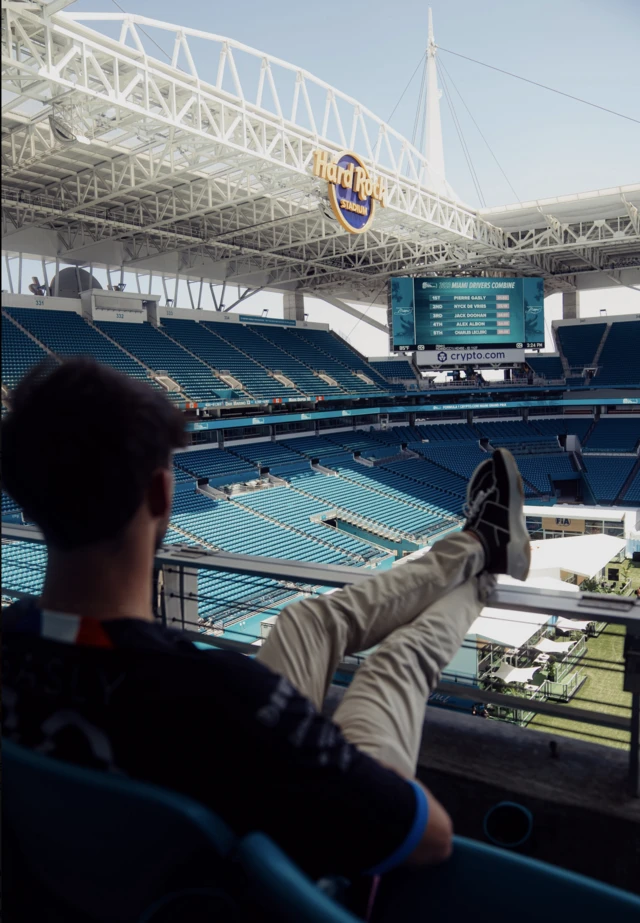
(87, 455)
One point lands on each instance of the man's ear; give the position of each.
(160, 493)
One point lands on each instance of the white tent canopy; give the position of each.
(516, 674)
(571, 624)
(509, 627)
(541, 583)
(584, 555)
(547, 646)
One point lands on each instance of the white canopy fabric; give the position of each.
(571, 624)
(516, 674)
(510, 627)
(541, 583)
(547, 646)
(585, 555)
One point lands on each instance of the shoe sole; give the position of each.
(519, 546)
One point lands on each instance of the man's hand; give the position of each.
(437, 840)
(436, 844)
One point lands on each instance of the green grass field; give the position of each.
(602, 686)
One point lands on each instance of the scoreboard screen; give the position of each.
(466, 313)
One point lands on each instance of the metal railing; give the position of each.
(180, 599)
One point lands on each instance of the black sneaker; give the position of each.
(494, 513)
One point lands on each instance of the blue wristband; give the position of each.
(412, 839)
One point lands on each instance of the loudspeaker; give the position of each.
(635, 557)
(613, 573)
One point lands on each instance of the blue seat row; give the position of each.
(352, 493)
(633, 492)
(279, 349)
(203, 340)
(546, 366)
(619, 357)
(148, 344)
(614, 434)
(389, 369)
(462, 462)
(539, 470)
(19, 353)
(606, 475)
(206, 463)
(290, 508)
(230, 527)
(579, 343)
(340, 361)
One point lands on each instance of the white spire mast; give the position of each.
(434, 151)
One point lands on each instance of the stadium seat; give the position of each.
(282, 889)
(515, 888)
(546, 366)
(394, 370)
(580, 342)
(104, 848)
(619, 358)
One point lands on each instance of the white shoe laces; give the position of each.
(471, 509)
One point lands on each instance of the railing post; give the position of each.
(634, 753)
(632, 685)
(180, 596)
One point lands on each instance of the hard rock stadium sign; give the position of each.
(352, 192)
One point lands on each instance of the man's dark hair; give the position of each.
(80, 444)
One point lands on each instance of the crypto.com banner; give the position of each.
(461, 357)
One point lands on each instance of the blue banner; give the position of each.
(251, 319)
(416, 408)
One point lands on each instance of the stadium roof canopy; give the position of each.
(113, 156)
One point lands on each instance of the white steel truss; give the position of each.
(104, 143)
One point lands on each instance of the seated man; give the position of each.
(91, 677)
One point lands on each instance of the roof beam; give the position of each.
(343, 306)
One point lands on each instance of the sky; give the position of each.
(546, 144)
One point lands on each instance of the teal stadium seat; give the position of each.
(389, 369)
(101, 848)
(579, 343)
(113, 850)
(618, 360)
(484, 884)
